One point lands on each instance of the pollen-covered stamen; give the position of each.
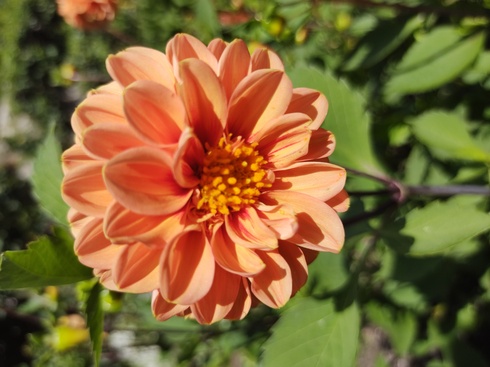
(232, 176)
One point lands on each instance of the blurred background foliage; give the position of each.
(408, 83)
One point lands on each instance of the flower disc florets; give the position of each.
(232, 177)
(201, 175)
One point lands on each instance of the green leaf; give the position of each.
(447, 137)
(480, 70)
(327, 273)
(47, 176)
(314, 333)
(346, 118)
(47, 261)
(400, 325)
(205, 12)
(441, 56)
(435, 228)
(381, 41)
(95, 320)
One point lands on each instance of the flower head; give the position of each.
(202, 175)
(87, 14)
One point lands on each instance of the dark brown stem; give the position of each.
(455, 10)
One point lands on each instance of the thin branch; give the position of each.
(459, 11)
(447, 190)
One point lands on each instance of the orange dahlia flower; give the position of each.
(201, 175)
(87, 14)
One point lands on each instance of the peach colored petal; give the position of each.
(247, 229)
(124, 226)
(279, 126)
(185, 46)
(281, 219)
(155, 112)
(233, 257)
(317, 179)
(216, 304)
(93, 248)
(188, 159)
(263, 58)
(340, 202)
(283, 146)
(310, 102)
(204, 99)
(77, 221)
(234, 65)
(310, 255)
(141, 179)
(141, 63)
(105, 278)
(97, 108)
(187, 268)
(74, 157)
(297, 263)
(273, 286)
(319, 226)
(136, 269)
(262, 96)
(321, 145)
(217, 46)
(243, 302)
(83, 189)
(109, 88)
(116, 137)
(163, 310)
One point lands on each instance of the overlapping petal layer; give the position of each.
(202, 175)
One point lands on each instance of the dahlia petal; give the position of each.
(217, 46)
(234, 65)
(124, 226)
(318, 179)
(340, 202)
(141, 63)
(282, 146)
(321, 145)
(310, 102)
(188, 159)
(97, 108)
(141, 179)
(263, 58)
(105, 278)
(136, 269)
(109, 88)
(93, 248)
(233, 257)
(278, 127)
(83, 189)
(185, 46)
(243, 302)
(297, 263)
(77, 221)
(154, 111)
(204, 99)
(319, 226)
(268, 91)
(281, 219)
(187, 268)
(273, 286)
(216, 304)
(247, 229)
(163, 310)
(74, 157)
(116, 137)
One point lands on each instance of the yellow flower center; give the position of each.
(231, 177)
